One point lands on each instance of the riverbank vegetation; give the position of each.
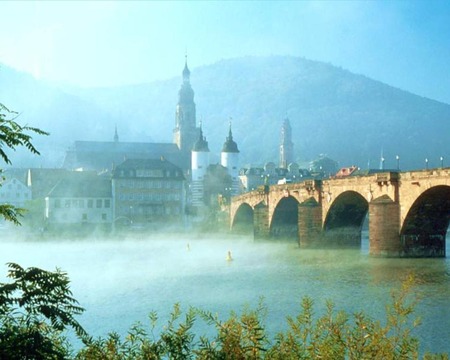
(37, 309)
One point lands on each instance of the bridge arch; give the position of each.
(242, 222)
(345, 218)
(284, 222)
(426, 223)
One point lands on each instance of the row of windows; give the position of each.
(80, 203)
(18, 195)
(151, 196)
(18, 186)
(150, 210)
(84, 217)
(150, 184)
(149, 173)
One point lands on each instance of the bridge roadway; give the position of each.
(408, 212)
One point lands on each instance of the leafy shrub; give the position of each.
(37, 306)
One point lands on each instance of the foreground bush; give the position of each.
(37, 307)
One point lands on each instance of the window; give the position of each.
(84, 217)
(67, 203)
(107, 203)
(90, 203)
(104, 217)
(99, 203)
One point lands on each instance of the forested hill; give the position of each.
(348, 117)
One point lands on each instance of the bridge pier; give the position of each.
(309, 224)
(261, 222)
(347, 237)
(384, 228)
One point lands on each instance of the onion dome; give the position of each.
(230, 146)
(201, 145)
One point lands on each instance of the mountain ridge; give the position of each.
(349, 117)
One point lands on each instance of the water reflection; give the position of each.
(120, 282)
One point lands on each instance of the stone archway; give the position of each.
(344, 220)
(284, 223)
(243, 220)
(425, 227)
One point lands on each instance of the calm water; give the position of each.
(120, 282)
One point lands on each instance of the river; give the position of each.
(120, 281)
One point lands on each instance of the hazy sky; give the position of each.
(403, 43)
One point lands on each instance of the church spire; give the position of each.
(185, 132)
(230, 145)
(186, 72)
(201, 144)
(116, 136)
(286, 145)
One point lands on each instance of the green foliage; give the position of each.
(175, 341)
(340, 336)
(35, 308)
(13, 135)
(239, 337)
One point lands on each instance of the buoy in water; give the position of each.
(229, 257)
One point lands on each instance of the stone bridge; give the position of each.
(408, 212)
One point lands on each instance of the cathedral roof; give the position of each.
(230, 145)
(100, 155)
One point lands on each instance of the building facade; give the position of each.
(148, 193)
(14, 192)
(83, 199)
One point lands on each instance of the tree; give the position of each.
(34, 309)
(13, 135)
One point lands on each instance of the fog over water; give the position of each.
(120, 281)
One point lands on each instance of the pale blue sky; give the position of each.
(403, 43)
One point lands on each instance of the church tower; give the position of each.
(286, 146)
(199, 166)
(116, 135)
(185, 132)
(229, 158)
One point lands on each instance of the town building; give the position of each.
(82, 201)
(148, 193)
(213, 183)
(14, 192)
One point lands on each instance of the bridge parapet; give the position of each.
(439, 173)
